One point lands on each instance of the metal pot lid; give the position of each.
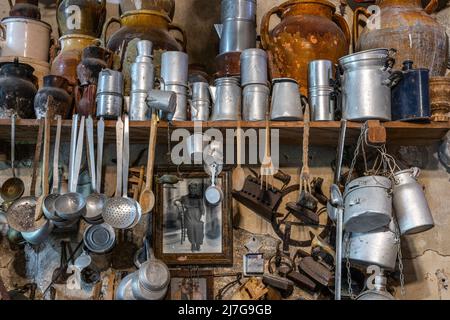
(154, 275)
(21, 215)
(372, 54)
(99, 238)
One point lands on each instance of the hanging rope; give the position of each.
(305, 184)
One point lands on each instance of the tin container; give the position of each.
(100, 240)
(200, 92)
(411, 207)
(110, 94)
(322, 98)
(174, 68)
(255, 105)
(200, 110)
(286, 101)
(180, 113)
(254, 67)
(368, 204)
(227, 98)
(165, 101)
(411, 96)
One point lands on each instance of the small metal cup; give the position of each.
(320, 74)
(200, 92)
(254, 67)
(255, 102)
(286, 100)
(174, 68)
(228, 99)
(200, 110)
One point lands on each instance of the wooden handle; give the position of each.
(151, 150)
(239, 146)
(432, 6)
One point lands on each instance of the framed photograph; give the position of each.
(191, 285)
(187, 230)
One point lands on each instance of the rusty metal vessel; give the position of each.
(309, 30)
(411, 30)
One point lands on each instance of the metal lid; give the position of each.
(154, 275)
(367, 182)
(253, 52)
(280, 80)
(100, 238)
(372, 54)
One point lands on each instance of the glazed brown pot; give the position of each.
(25, 9)
(66, 62)
(440, 98)
(166, 6)
(81, 17)
(93, 60)
(145, 25)
(309, 30)
(409, 29)
(61, 103)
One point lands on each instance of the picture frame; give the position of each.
(186, 230)
(192, 284)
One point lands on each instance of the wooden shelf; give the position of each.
(322, 133)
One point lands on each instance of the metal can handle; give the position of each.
(176, 27)
(355, 32)
(265, 34)
(106, 26)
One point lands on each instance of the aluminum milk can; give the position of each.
(322, 98)
(109, 94)
(366, 86)
(368, 204)
(410, 205)
(226, 95)
(379, 291)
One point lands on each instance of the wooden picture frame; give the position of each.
(179, 244)
(202, 279)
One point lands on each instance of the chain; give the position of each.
(400, 259)
(348, 265)
(356, 154)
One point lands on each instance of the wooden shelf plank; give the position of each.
(322, 133)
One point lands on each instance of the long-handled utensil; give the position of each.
(45, 169)
(147, 198)
(238, 172)
(267, 166)
(14, 187)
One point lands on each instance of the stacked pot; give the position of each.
(374, 231)
(110, 94)
(200, 101)
(254, 81)
(322, 97)
(174, 77)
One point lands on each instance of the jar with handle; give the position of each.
(166, 6)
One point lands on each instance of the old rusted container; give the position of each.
(440, 98)
(309, 30)
(81, 17)
(66, 62)
(166, 6)
(151, 25)
(58, 89)
(411, 30)
(25, 9)
(93, 60)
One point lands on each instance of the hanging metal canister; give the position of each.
(142, 81)
(227, 99)
(322, 97)
(366, 85)
(411, 95)
(109, 94)
(368, 204)
(100, 240)
(379, 247)
(378, 290)
(410, 205)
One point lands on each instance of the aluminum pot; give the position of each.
(227, 99)
(254, 67)
(24, 37)
(124, 291)
(100, 240)
(165, 101)
(286, 100)
(410, 205)
(378, 247)
(200, 92)
(151, 281)
(366, 88)
(180, 113)
(368, 204)
(110, 94)
(39, 236)
(200, 110)
(174, 68)
(255, 103)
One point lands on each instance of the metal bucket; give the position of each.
(227, 97)
(174, 68)
(255, 102)
(180, 113)
(286, 102)
(410, 205)
(254, 67)
(109, 94)
(379, 247)
(368, 204)
(366, 89)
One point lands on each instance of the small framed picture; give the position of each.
(191, 285)
(187, 230)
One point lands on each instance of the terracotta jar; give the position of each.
(93, 60)
(57, 88)
(145, 25)
(309, 30)
(81, 17)
(409, 29)
(440, 98)
(17, 90)
(25, 9)
(66, 62)
(166, 6)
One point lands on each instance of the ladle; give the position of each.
(45, 160)
(14, 187)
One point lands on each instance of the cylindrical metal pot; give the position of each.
(286, 101)
(180, 113)
(151, 281)
(410, 205)
(227, 97)
(254, 67)
(366, 89)
(440, 98)
(368, 204)
(81, 17)
(57, 88)
(165, 101)
(238, 29)
(255, 104)
(322, 98)
(174, 68)
(25, 37)
(110, 94)
(378, 247)
(200, 92)
(17, 90)
(411, 96)
(320, 74)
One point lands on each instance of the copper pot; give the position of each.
(309, 30)
(440, 98)
(409, 29)
(81, 17)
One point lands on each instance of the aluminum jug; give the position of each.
(286, 100)
(366, 85)
(226, 96)
(368, 204)
(410, 205)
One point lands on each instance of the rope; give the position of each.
(305, 173)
